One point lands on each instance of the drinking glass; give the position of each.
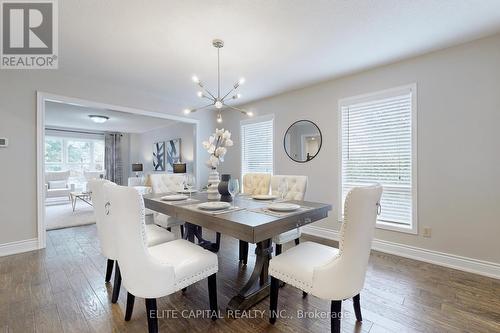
(190, 183)
(233, 188)
(282, 188)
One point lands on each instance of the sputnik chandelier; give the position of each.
(217, 100)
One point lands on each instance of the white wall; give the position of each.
(141, 145)
(18, 123)
(458, 143)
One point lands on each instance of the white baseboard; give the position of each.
(476, 266)
(18, 247)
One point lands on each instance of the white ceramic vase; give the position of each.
(213, 185)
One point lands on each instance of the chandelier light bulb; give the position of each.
(218, 104)
(195, 79)
(187, 111)
(250, 113)
(242, 80)
(219, 118)
(200, 94)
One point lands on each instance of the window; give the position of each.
(77, 154)
(257, 145)
(378, 145)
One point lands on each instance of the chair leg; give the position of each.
(117, 284)
(297, 241)
(182, 231)
(109, 270)
(130, 306)
(278, 249)
(243, 252)
(357, 307)
(335, 314)
(151, 312)
(273, 308)
(212, 296)
(304, 294)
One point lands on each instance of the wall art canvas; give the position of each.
(173, 153)
(159, 156)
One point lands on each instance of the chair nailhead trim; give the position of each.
(196, 277)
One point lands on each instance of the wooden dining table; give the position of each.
(251, 223)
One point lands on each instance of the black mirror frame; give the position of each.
(320, 144)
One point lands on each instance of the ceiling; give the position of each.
(59, 115)
(277, 45)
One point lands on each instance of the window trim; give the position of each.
(268, 117)
(413, 228)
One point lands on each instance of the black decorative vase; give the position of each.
(224, 193)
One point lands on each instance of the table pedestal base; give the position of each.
(257, 286)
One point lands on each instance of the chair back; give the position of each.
(142, 275)
(256, 183)
(166, 182)
(344, 276)
(297, 186)
(105, 229)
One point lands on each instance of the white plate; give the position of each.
(187, 191)
(283, 207)
(174, 197)
(214, 205)
(264, 197)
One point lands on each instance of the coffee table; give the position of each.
(83, 196)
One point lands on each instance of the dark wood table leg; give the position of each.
(257, 286)
(193, 231)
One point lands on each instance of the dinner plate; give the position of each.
(283, 207)
(264, 197)
(214, 205)
(174, 197)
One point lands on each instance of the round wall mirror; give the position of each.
(302, 141)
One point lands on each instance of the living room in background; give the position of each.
(378, 145)
(74, 151)
(257, 145)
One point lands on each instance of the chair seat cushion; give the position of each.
(191, 262)
(166, 221)
(287, 236)
(296, 265)
(156, 235)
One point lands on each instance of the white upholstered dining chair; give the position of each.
(167, 183)
(256, 183)
(156, 271)
(106, 231)
(296, 190)
(330, 273)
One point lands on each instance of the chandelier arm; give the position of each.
(202, 107)
(237, 109)
(207, 91)
(229, 92)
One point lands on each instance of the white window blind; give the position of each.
(377, 147)
(257, 146)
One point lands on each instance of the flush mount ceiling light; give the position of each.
(98, 119)
(217, 100)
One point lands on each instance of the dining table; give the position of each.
(247, 220)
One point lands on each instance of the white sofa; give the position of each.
(57, 184)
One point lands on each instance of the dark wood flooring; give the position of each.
(62, 289)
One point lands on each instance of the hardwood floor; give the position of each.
(62, 289)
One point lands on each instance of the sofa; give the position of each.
(57, 184)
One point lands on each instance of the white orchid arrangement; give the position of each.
(216, 146)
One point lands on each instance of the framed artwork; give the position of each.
(159, 156)
(173, 153)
